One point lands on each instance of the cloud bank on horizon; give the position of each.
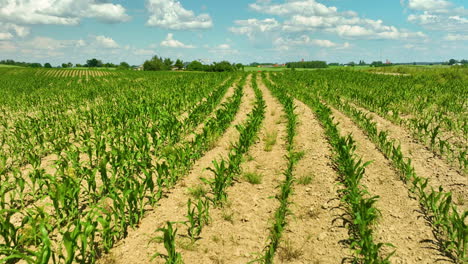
(243, 31)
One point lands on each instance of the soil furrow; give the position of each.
(401, 223)
(311, 236)
(239, 231)
(138, 247)
(425, 163)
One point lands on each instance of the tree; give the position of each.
(67, 65)
(167, 63)
(155, 64)
(179, 64)
(124, 66)
(196, 66)
(93, 63)
(222, 66)
(47, 65)
(307, 64)
(239, 67)
(452, 62)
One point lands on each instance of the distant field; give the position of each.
(249, 68)
(11, 66)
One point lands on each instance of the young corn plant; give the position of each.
(169, 239)
(286, 187)
(449, 226)
(197, 217)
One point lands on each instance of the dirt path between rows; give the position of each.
(400, 223)
(239, 231)
(138, 247)
(425, 163)
(310, 235)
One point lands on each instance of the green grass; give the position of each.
(270, 140)
(249, 68)
(253, 178)
(197, 192)
(305, 180)
(9, 66)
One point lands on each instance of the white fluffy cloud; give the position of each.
(309, 16)
(62, 12)
(106, 42)
(304, 40)
(292, 7)
(170, 42)
(46, 43)
(252, 26)
(9, 30)
(429, 4)
(456, 37)
(439, 15)
(170, 14)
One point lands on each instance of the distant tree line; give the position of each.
(22, 64)
(164, 64)
(454, 62)
(307, 64)
(255, 64)
(92, 63)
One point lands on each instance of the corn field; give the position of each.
(343, 166)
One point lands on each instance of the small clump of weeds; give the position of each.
(305, 180)
(253, 178)
(228, 216)
(197, 192)
(270, 140)
(288, 253)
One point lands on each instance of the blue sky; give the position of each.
(243, 31)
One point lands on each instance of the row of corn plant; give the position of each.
(225, 170)
(86, 139)
(449, 224)
(431, 106)
(286, 187)
(186, 154)
(92, 148)
(224, 175)
(123, 174)
(360, 213)
(50, 118)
